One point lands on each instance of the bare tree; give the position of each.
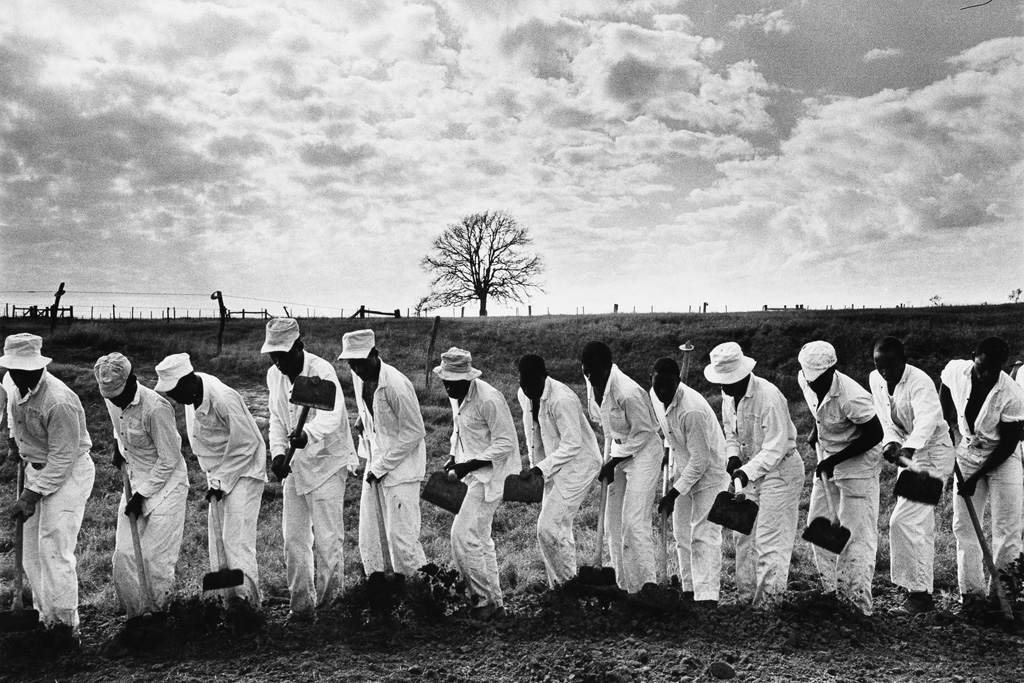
(936, 300)
(1015, 295)
(482, 258)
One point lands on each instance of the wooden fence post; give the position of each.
(219, 298)
(56, 306)
(430, 354)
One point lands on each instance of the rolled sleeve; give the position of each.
(858, 409)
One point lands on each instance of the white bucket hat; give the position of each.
(358, 344)
(111, 374)
(456, 365)
(23, 351)
(815, 358)
(172, 369)
(281, 335)
(728, 364)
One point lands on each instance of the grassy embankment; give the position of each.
(933, 336)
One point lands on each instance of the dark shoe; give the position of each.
(916, 603)
(488, 612)
(974, 604)
(301, 617)
(62, 639)
(706, 604)
(686, 596)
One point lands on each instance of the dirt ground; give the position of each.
(548, 637)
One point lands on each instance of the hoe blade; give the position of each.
(920, 487)
(733, 512)
(314, 392)
(521, 490)
(224, 578)
(824, 534)
(445, 494)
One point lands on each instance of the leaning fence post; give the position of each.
(430, 354)
(56, 306)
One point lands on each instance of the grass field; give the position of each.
(933, 336)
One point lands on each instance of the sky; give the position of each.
(661, 154)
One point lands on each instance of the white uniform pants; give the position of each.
(698, 544)
(912, 527)
(473, 547)
(630, 532)
(850, 573)
(51, 535)
(1004, 488)
(402, 523)
(160, 534)
(313, 524)
(563, 495)
(763, 556)
(232, 536)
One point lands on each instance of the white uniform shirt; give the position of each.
(484, 430)
(49, 425)
(912, 416)
(839, 417)
(329, 446)
(395, 429)
(696, 440)
(224, 436)
(760, 431)
(626, 415)
(1004, 403)
(147, 432)
(565, 434)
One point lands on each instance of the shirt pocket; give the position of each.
(135, 434)
(618, 422)
(35, 424)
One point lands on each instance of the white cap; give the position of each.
(281, 335)
(171, 369)
(23, 351)
(357, 344)
(456, 365)
(111, 374)
(815, 358)
(728, 364)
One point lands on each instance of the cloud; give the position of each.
(861, 174)
(769, 22)
(881, 53)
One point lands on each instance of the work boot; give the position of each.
(301, 617)
(487, 612)
(917, 602)
(62, 639)
(706, 604)
(974, 604)
(686, 596)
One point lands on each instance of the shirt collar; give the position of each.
(34, 390)
(546, 394)
(382, 378)
(749, 393)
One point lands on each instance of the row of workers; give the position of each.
(902, 416)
